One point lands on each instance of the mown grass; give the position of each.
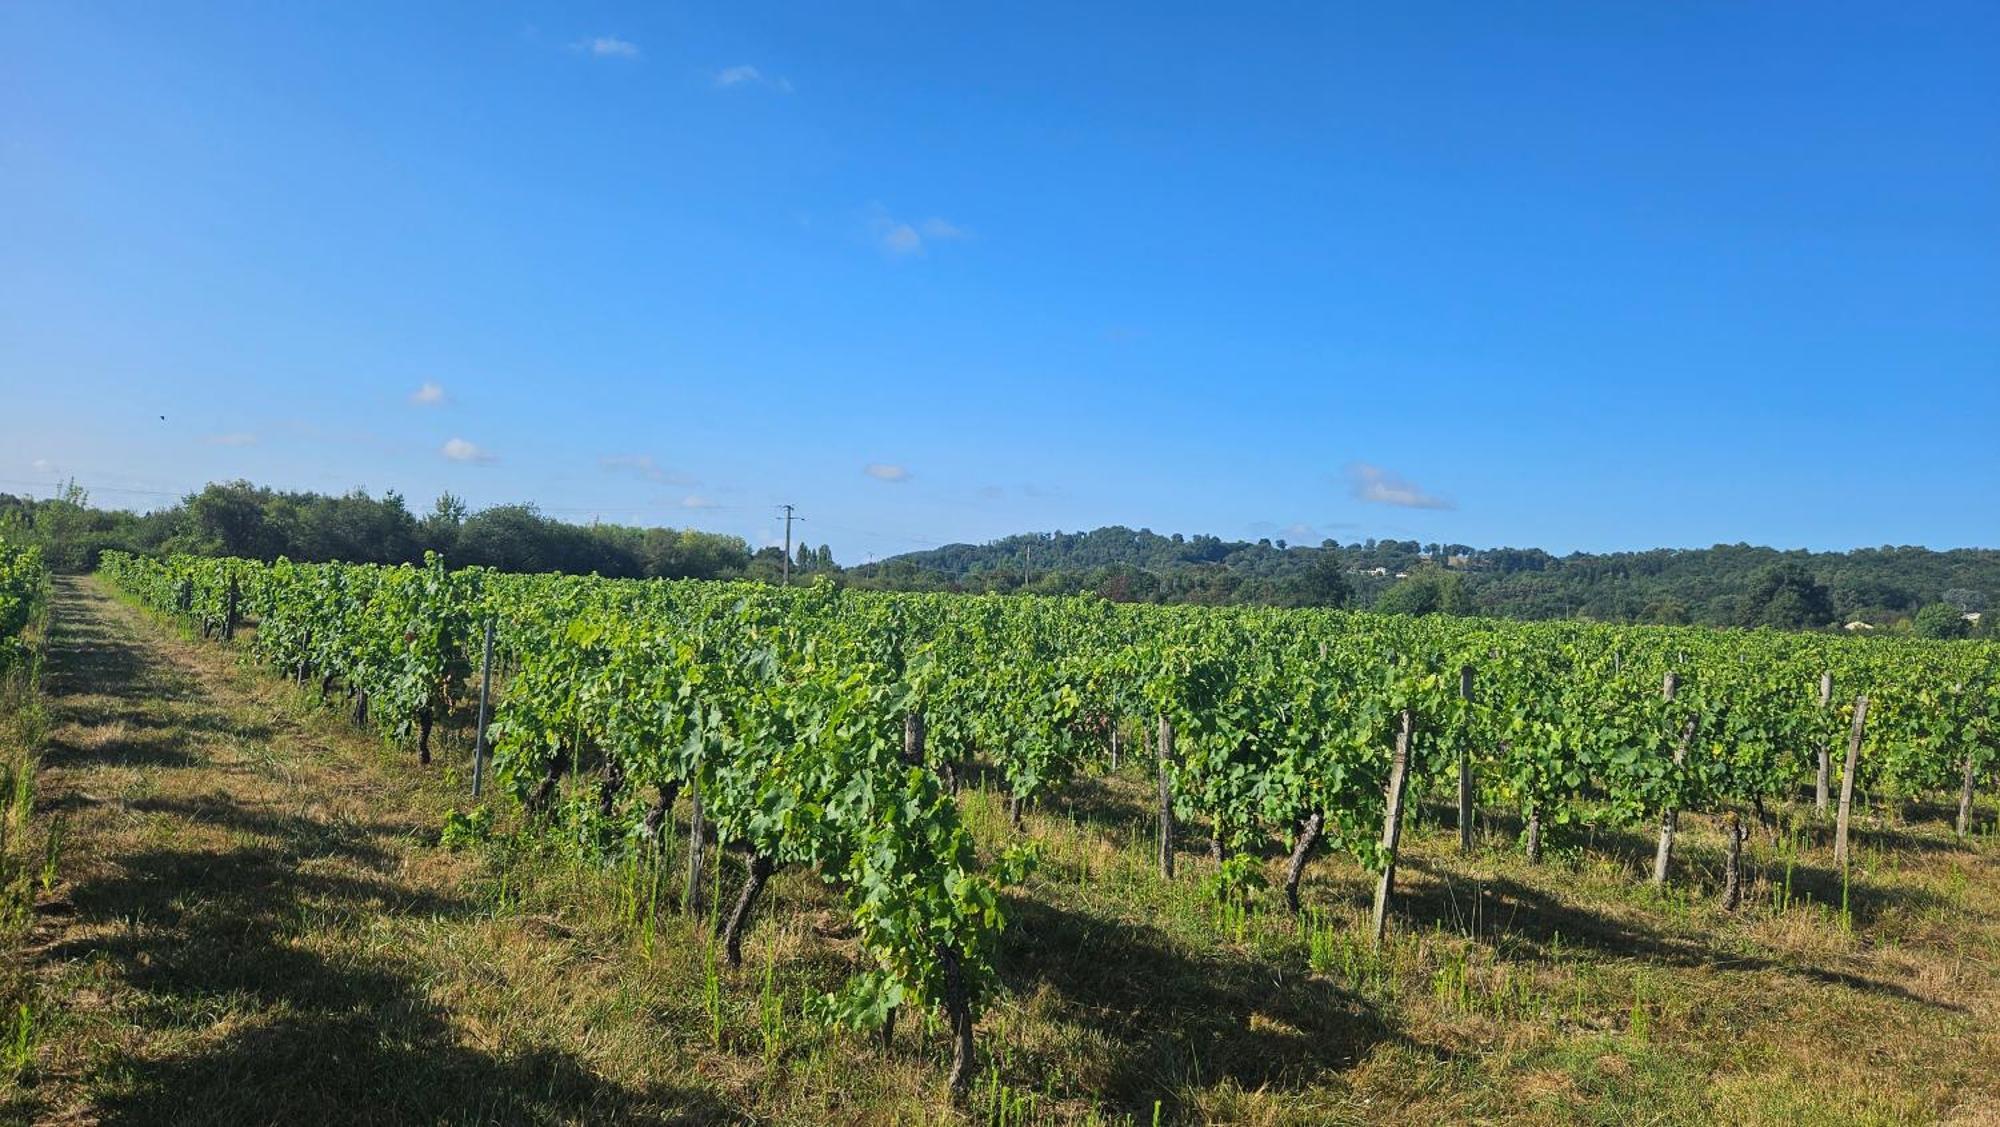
(257, 920)
(29, 850)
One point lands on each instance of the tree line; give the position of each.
(252, 522)
(1893, 589)
(1888, 588)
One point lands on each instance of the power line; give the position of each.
(889, 535)
(58, 484)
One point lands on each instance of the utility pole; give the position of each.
(1027, 564)
(789, 518)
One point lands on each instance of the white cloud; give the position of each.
(643, 465)
(747, 75)
(237, 439)
(886, 471)
(43, 465)
(910, 240)
(607, 47)
(459, 450)
(1378, 486)
(693, 502)
(429, 395)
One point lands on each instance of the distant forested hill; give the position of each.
(1717, 586)
(1729, 584)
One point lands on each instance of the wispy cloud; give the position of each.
(1294, 534)
(691, 501)
(42, 465)
(993, 491)
(459, 450)
(644, 466)
(429, 395)
(747, 75)
(607, 47)
(1377, 486)
(237, 439)
(886, 471)
(911, 239)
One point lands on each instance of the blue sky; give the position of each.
(1577, 276)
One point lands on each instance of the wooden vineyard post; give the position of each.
(1533, 832)
(485, 710)
(1166, 797)
(1732, 866)
(1670, 819)
(1465, 769)
(1392, 825)
(1965, 798)
(1847, 782)
(230, 601)
(1965, 786)
(1822, 781)
(697, 838)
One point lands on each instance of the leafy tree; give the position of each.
(1786, 596)
(1428, 590)
(231, 519)
(1940, 620)
(1324, 584)
(1666, 612)
(1125, 584)
(667, 553)
(355, 528)
(438, 531)
(1966, 600)
(767, 565)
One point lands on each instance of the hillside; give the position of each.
(1691, 585)
(1886, 586)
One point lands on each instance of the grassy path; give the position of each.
(238, 930)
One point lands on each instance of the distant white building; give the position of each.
(1858, 625)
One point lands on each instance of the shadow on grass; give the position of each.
(1115, 805)
(1508, 914)
(225, 942)
(246, 939)
(1179, 1019)
(154, 749)
(295, 838)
